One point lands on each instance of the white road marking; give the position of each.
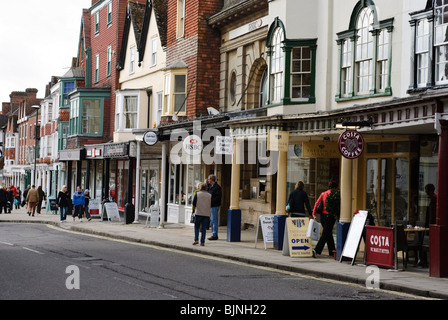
(7, 243)
(35, 251)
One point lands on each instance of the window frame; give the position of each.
(180, 19)
(170, 94)
(363, 73)
(285, 82)
(120, 114)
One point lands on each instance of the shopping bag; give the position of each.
(313, 231)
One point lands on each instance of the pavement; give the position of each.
(413, 280)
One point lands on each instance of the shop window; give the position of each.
(150, 184)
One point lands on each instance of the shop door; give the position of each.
(387, 189)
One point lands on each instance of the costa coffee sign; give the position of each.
(351, 144)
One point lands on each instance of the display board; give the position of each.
(111, 209)
(296, 244)
(266, 224)
(354, 236)
(380, 246)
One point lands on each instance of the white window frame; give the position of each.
(120, 116)
(422, 45)
(97, 68)
(180, 26)
(277, 66)
(132, 60)
(109, 60)
(154, 51)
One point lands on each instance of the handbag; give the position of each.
(193, 215)
(313, 231)
(320, 207)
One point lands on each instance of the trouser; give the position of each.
(39, 206)
(327, 221)
(78, 211)
(202, 222)
(32, 207)
(214, 220)
(86, 211)
(63, 212)
(3, 205)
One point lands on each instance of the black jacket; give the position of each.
(216, 192)
(63, 199)
(297, 201)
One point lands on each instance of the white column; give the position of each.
(137, 182)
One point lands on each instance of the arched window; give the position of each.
(364, 51)
(277, 65)
(365, 54)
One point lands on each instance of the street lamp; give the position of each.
(35, 143)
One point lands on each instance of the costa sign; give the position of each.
(351, 144)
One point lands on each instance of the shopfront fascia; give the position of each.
(73, 159)
(119, 168)
(388, 179)
(185, 171)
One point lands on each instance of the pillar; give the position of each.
(163, 191)
(346, 204)
(438, 241)
(137, 181)
(280, 209)
(234, 213)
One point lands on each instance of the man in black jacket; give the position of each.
(216, 192)
(3, 200)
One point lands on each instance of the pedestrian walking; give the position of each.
(10, 199)
(42, 197)
(3, 200)
(18, 199)
(62, 202)
(79, 202)
(25, 194)
(86, 206)
(202, 202)
(327, 220)
(298, 200)
(216, 192)
(14, 195)
(32, 198)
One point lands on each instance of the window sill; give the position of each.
(366, 96)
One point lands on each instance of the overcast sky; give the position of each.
(37, 40)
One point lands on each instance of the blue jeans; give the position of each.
(214, 219)
(200, 221)
(63, 212)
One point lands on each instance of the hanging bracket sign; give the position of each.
(351, 144)
(150, 138)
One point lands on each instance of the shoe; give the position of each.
(314, 254)
(89, 219)
(202, 244)
(195, 243)
(29, 213)
(213, 238)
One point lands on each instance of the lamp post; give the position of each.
(35, 142)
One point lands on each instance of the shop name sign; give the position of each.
(351, 144)
(192, 145)
(150, 138)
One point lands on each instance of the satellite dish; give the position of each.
(212, 111)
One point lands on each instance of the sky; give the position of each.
(38, 40)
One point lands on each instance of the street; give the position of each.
(39, 262)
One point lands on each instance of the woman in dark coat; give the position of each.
(62, 202)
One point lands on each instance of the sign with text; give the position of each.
(278, 140)
(266, 224)
(297, 243)
(111, 209)
(351, 144)
(380, 246)
(224, 145)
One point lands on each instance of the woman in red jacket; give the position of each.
(327, 220)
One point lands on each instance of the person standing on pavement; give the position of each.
(3, 200)
(32, 198)
(298, 200)
(62, 202)
(14, 195)
(327, 220)
(202, 202)
(42, 197)
(86, 206)
(25, 194)
(79, 202)
(18, 199)
(216, 192)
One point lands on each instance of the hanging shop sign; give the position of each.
(278, 140)
(351, 144)
(192, 145)
(150, 138)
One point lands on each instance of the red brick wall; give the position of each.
(199, 49)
